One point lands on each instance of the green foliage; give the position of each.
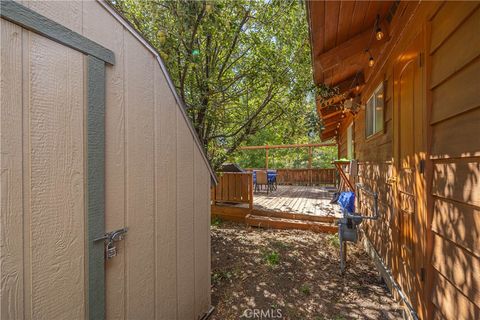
(305, 289)
(221, 275)
(285, 158)
(272, 258)
(242, 67)
(334, 240)
(216, 222)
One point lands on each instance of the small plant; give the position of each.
(216, 222)
(305, 289)
(334, 240)
(272, 258)
(218, 276)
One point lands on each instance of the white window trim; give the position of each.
(380, 87)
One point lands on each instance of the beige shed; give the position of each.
(95, 139)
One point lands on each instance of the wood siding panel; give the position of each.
(66, 13)
(457, 180)
(11, 166)
(459, 266)
(454, 97)
(165, 200)
(450, 302)
(455, 49)
(139, 109)
(454, 137)
(457, 222)
(202, 235)
(102, 28)
(447, 20)
(56, 150)
(463, 44)
(185, 223)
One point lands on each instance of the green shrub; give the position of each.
(334, 240)
(272, 258)
(216, 222)
(305, 289)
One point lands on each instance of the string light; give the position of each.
(378, 33)
(371, 61)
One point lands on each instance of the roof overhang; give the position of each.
(342, 39)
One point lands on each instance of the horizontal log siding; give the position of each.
(455, 154)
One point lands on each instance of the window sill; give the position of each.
(374, 136)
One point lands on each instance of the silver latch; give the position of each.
(109, 239)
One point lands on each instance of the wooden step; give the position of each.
(283, 223)
(228, 213)
(295, 216)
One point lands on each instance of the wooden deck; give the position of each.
(298, 200)
(288, 207)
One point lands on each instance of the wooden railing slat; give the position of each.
(233, 187)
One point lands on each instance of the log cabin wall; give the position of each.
(156, 180)
(453, 56)
(451, 253)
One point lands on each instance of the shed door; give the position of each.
(409, 155)
(43, 177)
(52, 164)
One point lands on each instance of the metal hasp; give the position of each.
(348, 224)
(109, 239)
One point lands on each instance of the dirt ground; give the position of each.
(292, 274)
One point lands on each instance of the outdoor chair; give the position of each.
(261, 179)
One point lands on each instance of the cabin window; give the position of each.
(350, 141)
(374, 112)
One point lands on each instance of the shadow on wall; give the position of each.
(456, 238)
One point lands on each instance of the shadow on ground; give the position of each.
(290, 274)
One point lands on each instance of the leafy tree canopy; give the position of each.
(242, 67)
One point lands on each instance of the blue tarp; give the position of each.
(347, 201)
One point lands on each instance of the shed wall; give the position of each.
(157, 183)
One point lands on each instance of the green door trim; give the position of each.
(97, 56)
(96, 187)
(33, 21)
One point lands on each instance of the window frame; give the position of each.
(350, 142)
(372, 105)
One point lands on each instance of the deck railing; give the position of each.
(234, 187)
(310, 177)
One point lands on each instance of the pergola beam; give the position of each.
(287, 146)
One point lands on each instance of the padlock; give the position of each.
(110, 250)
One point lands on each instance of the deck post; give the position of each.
(250, 185)
(310, 165)
(266, 157)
